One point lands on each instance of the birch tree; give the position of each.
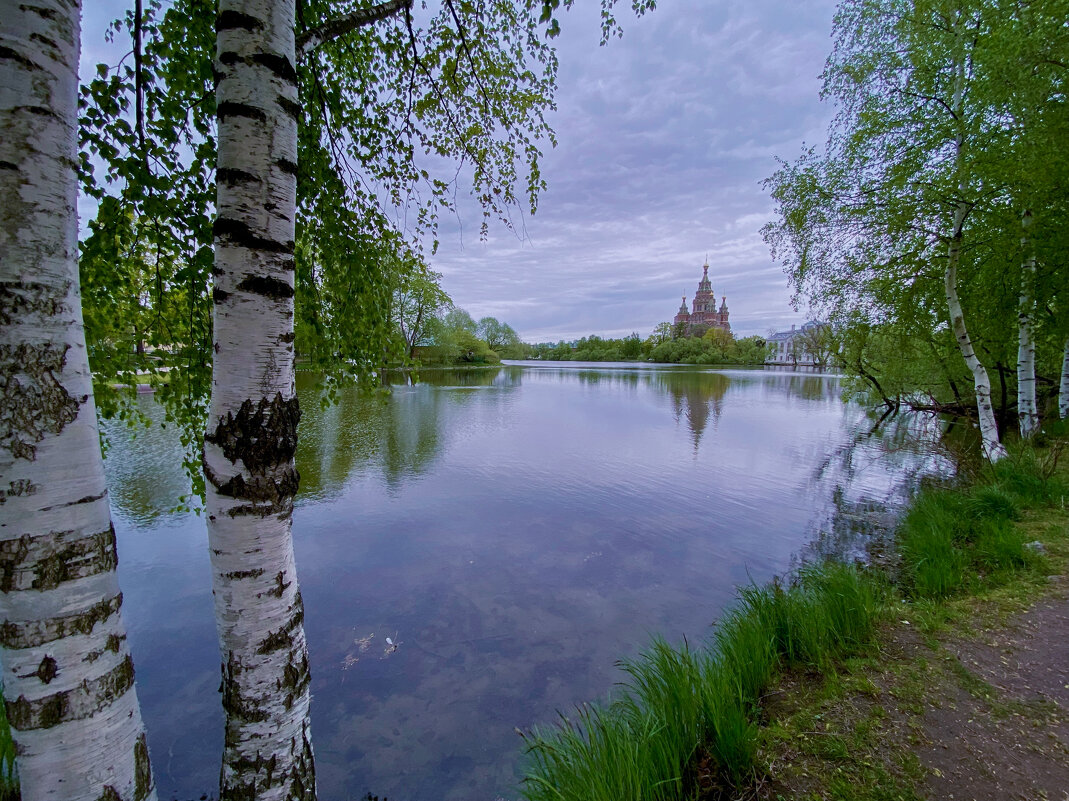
(891, 217)
(324, 112)
(67, 672)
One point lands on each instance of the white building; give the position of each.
(790, 347)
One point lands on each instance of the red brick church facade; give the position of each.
(703, 307)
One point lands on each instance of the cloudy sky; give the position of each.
(664, 138)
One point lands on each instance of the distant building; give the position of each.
(797, 346)
(703, 308)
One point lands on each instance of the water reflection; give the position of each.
(513, 531)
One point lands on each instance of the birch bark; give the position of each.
(1027, 412)
(67, 673)
(251, 477)
(1063, 389)
(993, 448)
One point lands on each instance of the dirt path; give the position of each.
(974, 710)
(1004, 731)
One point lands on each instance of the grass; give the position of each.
(9, 782)
(684, 722)
(688, 722)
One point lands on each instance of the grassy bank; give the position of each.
(696, 723)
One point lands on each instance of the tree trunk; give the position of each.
(1063, 389)
(252, 437)
(993, 449)
(1027, 413)
(68, 676)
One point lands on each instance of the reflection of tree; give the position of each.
(143, 465)
(471, 377)
(611, 377)
(814, 387)
(400, 431)
(904, 448)
(695, 395)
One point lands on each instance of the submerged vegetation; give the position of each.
(688, 722)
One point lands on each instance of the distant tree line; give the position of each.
(665, 344)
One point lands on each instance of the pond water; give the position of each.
(516, 530)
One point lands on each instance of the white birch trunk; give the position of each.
(252, 437)
(1063, 389)
(993, 448)
(67, 673)
(1027, 411)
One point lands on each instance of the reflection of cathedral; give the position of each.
(703, 307)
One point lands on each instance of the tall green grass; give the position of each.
(683, 722)
(952, 540)
(681, 707)
(9, 781)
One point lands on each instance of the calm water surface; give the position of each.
(516, 530)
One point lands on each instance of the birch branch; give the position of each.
(311, 39)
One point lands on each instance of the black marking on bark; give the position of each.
(142, 769)
(229, 58)
(33, 634)
(79, 558)
(43, 13)
(289, 336)
(109, 794)
(7, 165)
(47, 560)
(114, 643)
(18, 58)
(262, 435)
(287, 166)
(77, 703)
(219, 296)
(36, 404)
(279, 65)
(86, 499)
(295, 680)
(231, 109)
(47, 670)
(230, 176)
(231, 20)
(239, 233)
(266, 286)
(40, 111)
(244, 574)
(19, 298)
(289, 107)
(238, 710)
(17, 489)
(283, 637)
(289, 265)
(36, 37)
(280, 586)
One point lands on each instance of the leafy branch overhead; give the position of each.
(403, 107)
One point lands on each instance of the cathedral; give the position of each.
(703, 308)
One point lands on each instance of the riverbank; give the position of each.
(860, 683)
